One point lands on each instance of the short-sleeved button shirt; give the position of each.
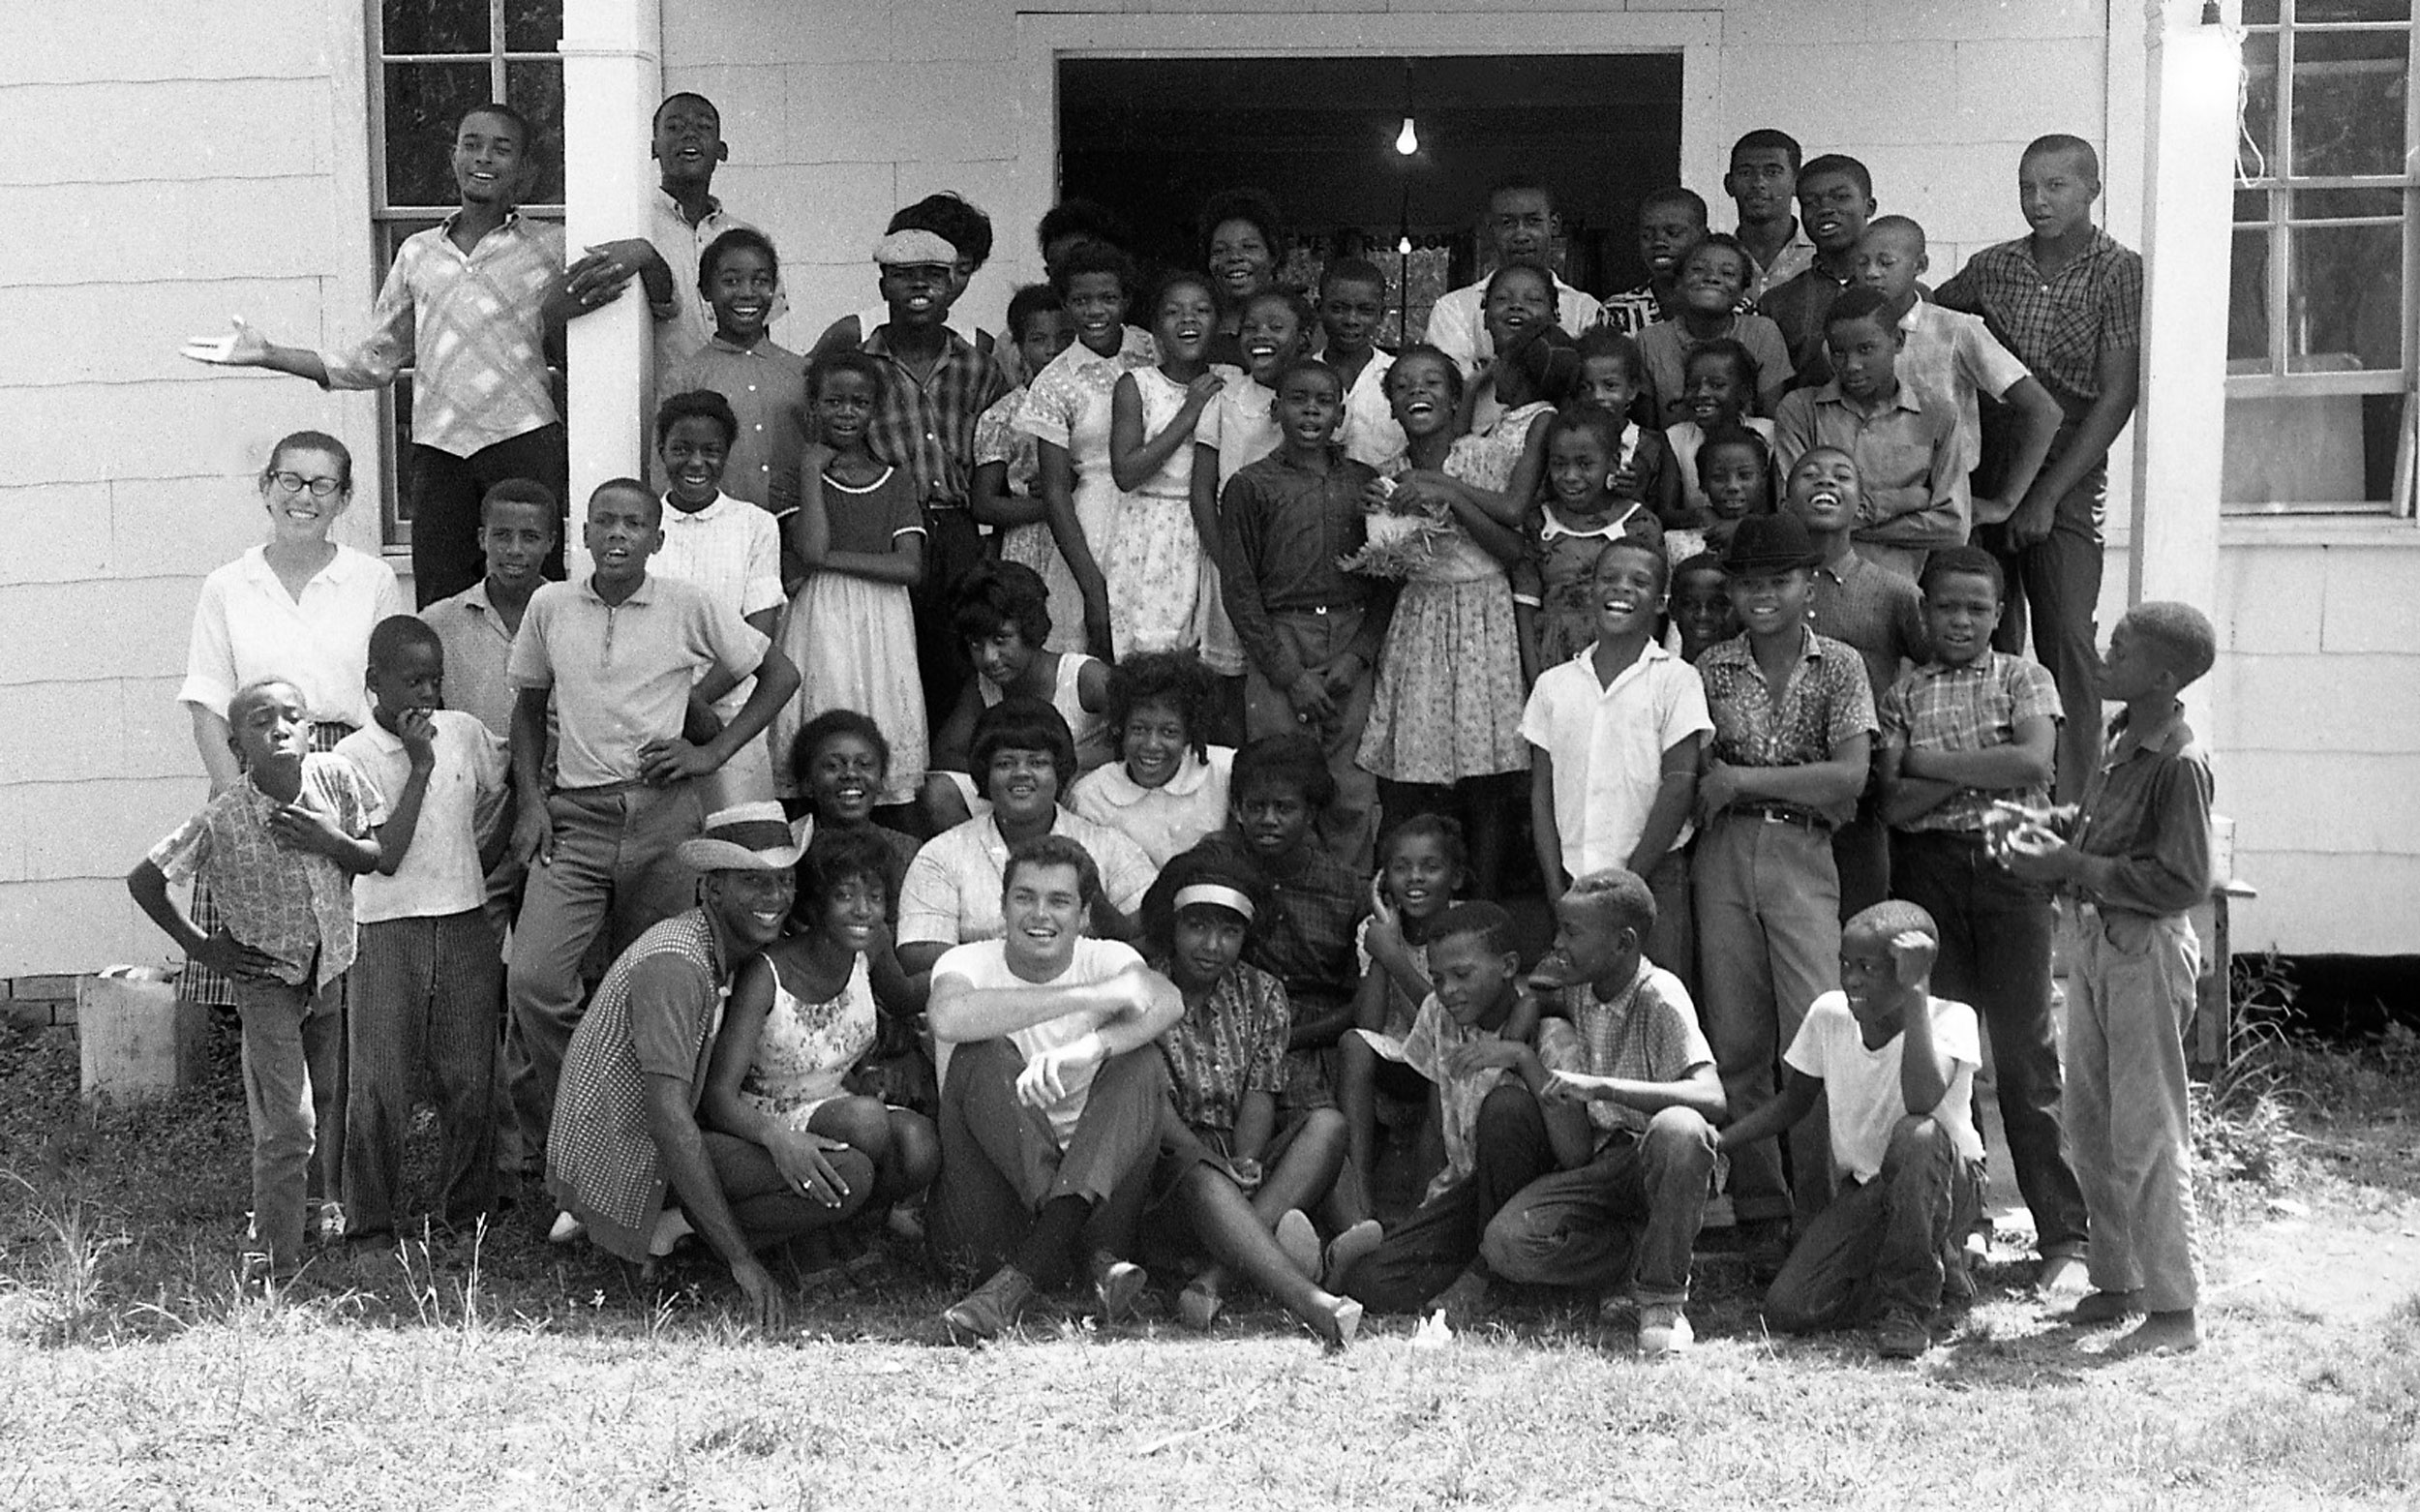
(1233, 1042)
(1876, 610)
(2060, 325)
(295, 905)
(463, 797)
(1607, 742)
(1648, 1032)
(1974, 707)
(1950, 358)
(1436, 1035)
(478, 649)
(951, 893)
(1826, 702)
(621, 673)
(765, 384)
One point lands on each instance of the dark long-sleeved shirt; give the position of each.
(2147, 810)
(1282, 528)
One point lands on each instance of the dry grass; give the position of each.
(492, 1371)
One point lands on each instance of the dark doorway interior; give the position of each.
(1155, 137)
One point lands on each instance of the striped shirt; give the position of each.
(1974, 707)
(926, 427)
(472, 328)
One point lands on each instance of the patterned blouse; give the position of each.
(1233, 1042)
(1827, 701)
(805, 1049)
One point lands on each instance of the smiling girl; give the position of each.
(1169, 790)
(1155, 565)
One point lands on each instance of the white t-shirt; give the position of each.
(440, 873)
(1608, 745)
(1862, 1085)
(984, 966)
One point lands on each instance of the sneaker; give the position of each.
(256, 1274)
(1300, 1242)
(2104, 1307)
(1115, 1284)
(327, 1220)
(1664, 1328)
(1347, 1251)
(985, 1311)
(1901, 1335)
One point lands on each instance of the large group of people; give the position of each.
(1051, 791)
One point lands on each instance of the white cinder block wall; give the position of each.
(214, 159)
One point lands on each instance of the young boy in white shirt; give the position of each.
(1898, 1065)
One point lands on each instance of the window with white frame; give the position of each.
(2326, 261)
(435, 59)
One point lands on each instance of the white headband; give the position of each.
(1217, 894)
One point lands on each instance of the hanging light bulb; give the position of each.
(1403, 246)
(1407, 140)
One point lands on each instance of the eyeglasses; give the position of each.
(295, 483)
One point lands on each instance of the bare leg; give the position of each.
(1233, 1234)
(1357, 1090)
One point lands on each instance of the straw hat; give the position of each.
(744, 837)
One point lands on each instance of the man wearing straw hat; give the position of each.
(625, 1156)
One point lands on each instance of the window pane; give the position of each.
(2256, 150)
(2342, 204)
(533, 25)
(434, 26)
(536, 91)
(2252, 206)
(424, 101)
(2312, 12)
(2309, 452)
(2345, 299)
(2348, 101)
(2248, 304)
(2259, 13)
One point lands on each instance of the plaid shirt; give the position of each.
(1647, 1032)
(1972, 708)
(2060, 325)
(601, 1157)
(295, 905)
(473, 327)
(927, 429)
(1825, 701)
(1234, 1044)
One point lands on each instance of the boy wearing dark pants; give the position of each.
(617, 657)
(1793, 720)
(282, 846)
(1623, 1215)
(1971, 727)
(2132, 859)
(2068, 301)
(428, 983)
(1896, 1066)
(1310, 631)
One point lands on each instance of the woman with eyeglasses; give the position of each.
(300, 607)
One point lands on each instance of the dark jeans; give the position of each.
(1422, 1255)
(1887, 1245)
(1000, 1162)
(427, 994)
(1862, 851)
(1995, 957)
(2054, 587)
(951, 545)
(446, 493)
(1631, 1215)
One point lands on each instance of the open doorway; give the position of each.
(1156, 137)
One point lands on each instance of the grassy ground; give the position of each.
(497, 1372)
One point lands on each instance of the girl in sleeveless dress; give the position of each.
(1004, 618)
(801, 1017)
(1157, 562)
(851, 630)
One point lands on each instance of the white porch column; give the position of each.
(612, 55)
(2189, 134)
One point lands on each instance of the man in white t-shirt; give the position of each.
(1899, 1067)
(1520, 222)
(1052, 1094)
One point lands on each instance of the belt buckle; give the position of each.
(1320, 609)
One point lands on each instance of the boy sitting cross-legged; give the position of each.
(2132, 859)
(1972, 727)
(1897, 1064)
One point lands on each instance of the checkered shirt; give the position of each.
(1971, 708)
(1647, 1032)
(2059, 325)
(927, 429)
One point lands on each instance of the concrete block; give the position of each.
(2320, 704)
(822, 292)
(2274, 598)
(146, 232)
(752, 103)
(25, 1015)
(2331, 801)
(63, 531)
(823, 212)
(1814, 89)
(216, 133)
(981, 30)
(2321, 904)
(852, 113)
(785, 31)
(1961, 20)
(2000, 94)
(69, 925)
(138, 1039)
(96, 827)
(160, 736)
(2373, 599)
(66, 632)
(223, 426)
(62, 732)
(1942, 186)
(1779, 24)
(121, 333)
(180, 527)
(50, 986)
(78, 41)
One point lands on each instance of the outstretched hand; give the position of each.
(238, 347)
